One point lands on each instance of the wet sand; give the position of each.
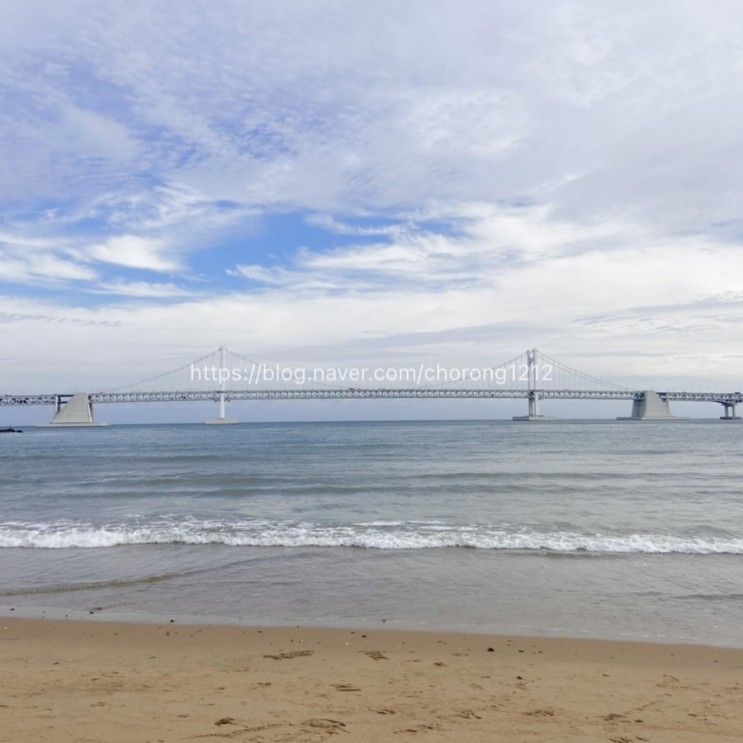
(94, 681)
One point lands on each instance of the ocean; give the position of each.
(606, 529)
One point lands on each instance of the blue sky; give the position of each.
(421, 180)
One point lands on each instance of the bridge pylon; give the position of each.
(532, 370)
(222, 419)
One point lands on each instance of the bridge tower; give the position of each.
(222, 418)
(532, 369)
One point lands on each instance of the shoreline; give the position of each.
(74, 679)
(100, 615)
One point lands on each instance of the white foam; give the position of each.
(370, 535)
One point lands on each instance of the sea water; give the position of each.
(581, 529)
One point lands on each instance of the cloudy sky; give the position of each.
(386, 181)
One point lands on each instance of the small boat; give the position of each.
(10, 429)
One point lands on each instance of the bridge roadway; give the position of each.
(352, 393)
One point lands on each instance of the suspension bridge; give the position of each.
(223, 376)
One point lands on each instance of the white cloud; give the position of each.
(134, 251)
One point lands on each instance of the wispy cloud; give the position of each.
(142, 289)
(36, 263)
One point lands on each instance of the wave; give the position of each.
(383, 535)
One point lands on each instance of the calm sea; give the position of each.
(582, 529)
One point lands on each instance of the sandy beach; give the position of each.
(93, 681)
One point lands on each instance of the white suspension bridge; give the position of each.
(223, 376)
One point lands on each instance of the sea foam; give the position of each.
(371, 535)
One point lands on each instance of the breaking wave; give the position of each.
(383, 535)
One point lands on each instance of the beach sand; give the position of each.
(97, 681)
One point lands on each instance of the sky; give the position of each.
(357, 182)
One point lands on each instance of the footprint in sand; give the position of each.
(468, 714)
(288, 655)
(346, 687)
(325, 724)
(422, 728)
(375, 654)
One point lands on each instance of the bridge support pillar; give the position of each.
(533, 405)
(77, 412)
(222, 419)
(534, 414)
(649, 406)
(729, 412)
(532, 364)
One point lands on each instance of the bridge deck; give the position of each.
(364, 394)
